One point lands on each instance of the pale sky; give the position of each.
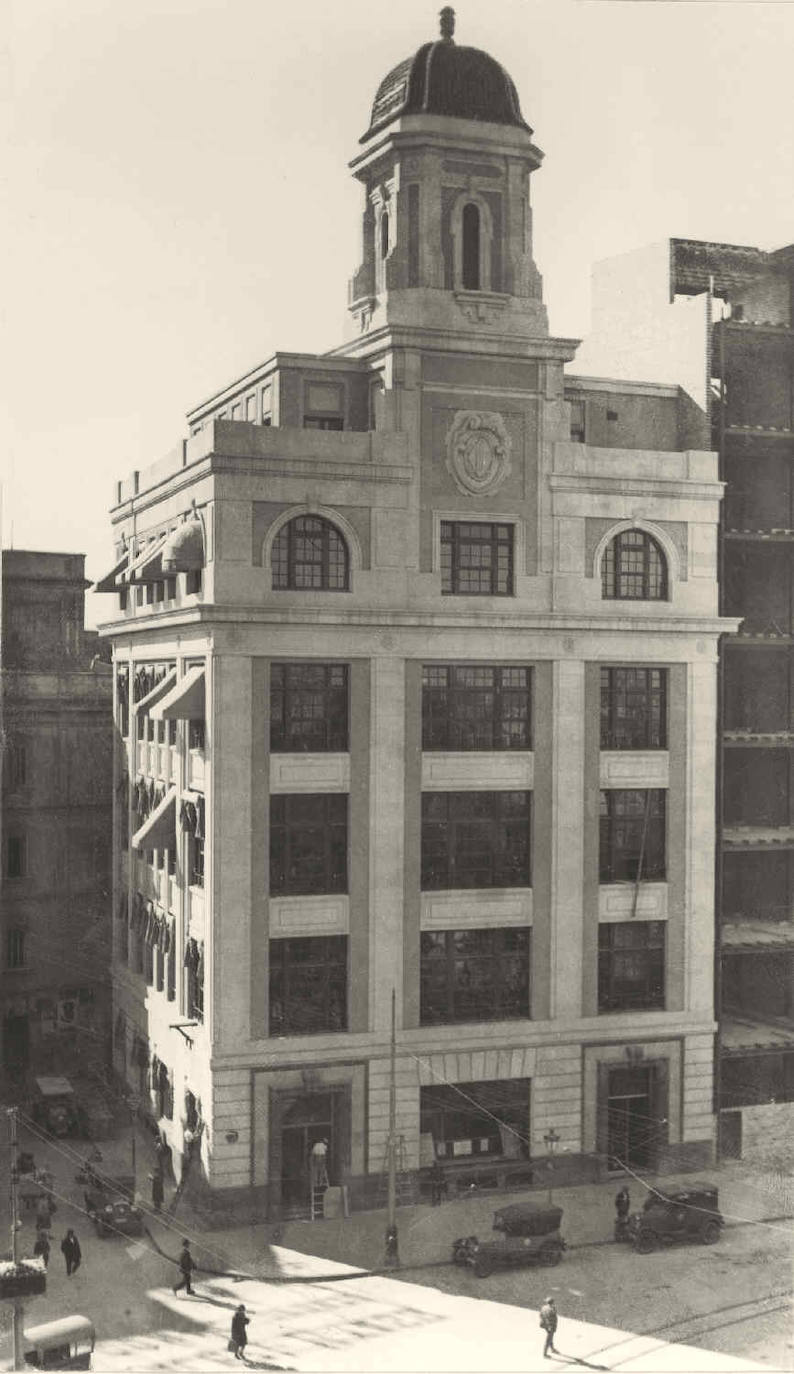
(179, 204)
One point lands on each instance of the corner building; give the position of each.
(416, 693)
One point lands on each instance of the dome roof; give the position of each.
(445, 79)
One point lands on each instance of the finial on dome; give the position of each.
(447, 18)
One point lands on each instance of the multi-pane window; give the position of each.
(308, 985)
(308, 843)
(471, 1119)
(634, 568)
(633, 708)
(15, 949)
(474, 975)
(194, 979)
(196, 735)
(16, 857)
(632, 838)
(309, 554)
(476, 559)
(477, 707)
(475, 839)
(631, 966)
(308, 708)
(324, 422)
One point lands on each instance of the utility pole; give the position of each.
(18, 1311)
(392, 1255)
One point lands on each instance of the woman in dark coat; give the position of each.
(239, 1334)
(70, 1247)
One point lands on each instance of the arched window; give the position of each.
(309, 554)
(633, 568)
(384, 234)
(471, 247)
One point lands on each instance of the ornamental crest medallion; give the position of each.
(478, 451)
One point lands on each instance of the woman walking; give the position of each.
(239, 1338)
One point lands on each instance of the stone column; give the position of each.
(567, 835)
(387, 790)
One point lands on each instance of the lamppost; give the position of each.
(551, 1140)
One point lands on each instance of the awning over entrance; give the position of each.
(185, 700)
(159, 829)
(108, 582)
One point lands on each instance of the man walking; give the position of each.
(548, 1320)
(70, 1248)
(186, 1267)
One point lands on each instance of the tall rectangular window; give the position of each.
(308, 843)
(309, 708)
(632, 835)
(15, 949)
(476, 559)
(474, 975)
(16, 857)
(631, 966)
(475, 839)
(308, 985)
(577, 421)
(196, 860)
(633, 708)
(196, 735)
(476, 707)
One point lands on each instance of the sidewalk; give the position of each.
(426, 1233)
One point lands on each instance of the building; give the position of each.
(725, 312)
(56, 734)
(417, 693)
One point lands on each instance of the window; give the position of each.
(483, 1118)
(631, 966)
(308, 708)
(335, 422)
(308, 843)
(471, 247)
(476, 559)
(250, 409)
(632, 836)
(16, 764)
(196, 734)
(237, 412)
(384, 234)
(193, 582)
(308, 985)
(309, 554)
(476, 707)
(16, 857)
(577, 422)
(267, 405)
(196, 862)
(633, 568)
(633, 708)
(475, 839)
(474, 975)
(194, 979)
(15, 949)
(752, 1079)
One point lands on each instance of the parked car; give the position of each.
(527, 1233)
(118, 1217)
(55, 1106)
(686, 1214)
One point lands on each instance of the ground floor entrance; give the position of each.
(309, 1148)
(630, 1131)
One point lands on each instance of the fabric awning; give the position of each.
(108, 582)
(159, 829)
(184, 548)
(185, 701)
(164, 685)
(148, 565)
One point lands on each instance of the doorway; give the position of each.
(306, 1121)
(630, 1126)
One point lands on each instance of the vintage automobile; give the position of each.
(686, 1214)
(117, 1216)
(67, 1343)
(527, 1233)
(55, 1106)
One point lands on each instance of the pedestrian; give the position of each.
(392, 1248)
(239, 1338)
(70, 1247)
(186, 1267)
(438, 1183)
(44, 1211)
(319, 1164)
(548, 1320)
(157, 1189)
(42, 1247)
(622, 1208)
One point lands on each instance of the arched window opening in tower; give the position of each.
(634, 568)
(471, 247)
(309, 554)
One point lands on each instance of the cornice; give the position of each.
(593, 484)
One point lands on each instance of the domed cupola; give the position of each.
(443, 78)
(447, 227)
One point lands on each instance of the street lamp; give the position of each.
(551, 1140)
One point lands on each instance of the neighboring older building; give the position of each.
(417, 690)
(721, 317)
(56, 733)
